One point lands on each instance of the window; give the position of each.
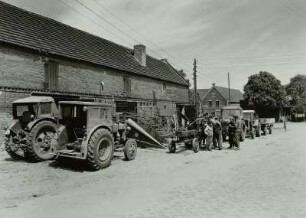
(127, 85)
(217, 103)
(164, 87)
(45, 108)
(210, 103)
(51, 75)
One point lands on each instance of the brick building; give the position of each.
(213, 99)
(40, 56)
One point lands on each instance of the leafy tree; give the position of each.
(296, 91)
(264, 93)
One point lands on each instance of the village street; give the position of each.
(266, 178)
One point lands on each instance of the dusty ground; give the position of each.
(266, 178)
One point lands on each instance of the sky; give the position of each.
(239, 37)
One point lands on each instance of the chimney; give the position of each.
(140, 54)
(214, 84)
(164, 60)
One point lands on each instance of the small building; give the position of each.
(213, 99)
(41, 56)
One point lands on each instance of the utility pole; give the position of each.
(229, 88)
(195, 83)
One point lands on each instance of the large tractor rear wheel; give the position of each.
(39, 141)
(100, 149)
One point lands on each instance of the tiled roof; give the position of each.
(236, 95)
(26, 29)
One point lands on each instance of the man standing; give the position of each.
(201, 127)
(217, 133)
(237, 132)
(231, 132)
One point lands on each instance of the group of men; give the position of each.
(210, 133)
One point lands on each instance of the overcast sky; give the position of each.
(242, 37)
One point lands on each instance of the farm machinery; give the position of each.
(249, 123)
(32, 128)
(228, 112)
(266, 125)
(87, 131)
(188, 135)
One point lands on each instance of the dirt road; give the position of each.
(266, 178)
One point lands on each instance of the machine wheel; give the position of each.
(130, 149)
(39, 141)
(9, 148)
(100, 149)
(195, 145)
(172, 147)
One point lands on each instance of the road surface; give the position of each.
(266, 178)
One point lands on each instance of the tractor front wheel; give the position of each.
(10, 148)
(39, 141)
(130, 149)
(100, 150)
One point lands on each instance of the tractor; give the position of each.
(91, 132)
(226, 113)
(32, 128)
(188, 135)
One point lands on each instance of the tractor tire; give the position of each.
(195, 145)
(100, 149)
(39, 141)
(16, 155)
(130, 149)
(172, 147)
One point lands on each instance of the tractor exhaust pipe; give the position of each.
(133, 124)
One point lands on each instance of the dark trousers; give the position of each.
(217, 139)
(202, 138)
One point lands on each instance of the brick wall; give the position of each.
(26, 70)
(20, 69)
(5, 120)
(6, 99)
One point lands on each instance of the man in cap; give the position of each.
(236, 138)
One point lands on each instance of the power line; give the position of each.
(112, 25)
(137, 32)
(93, 21)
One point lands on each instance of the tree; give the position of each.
(264, 93)
(296, 91)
